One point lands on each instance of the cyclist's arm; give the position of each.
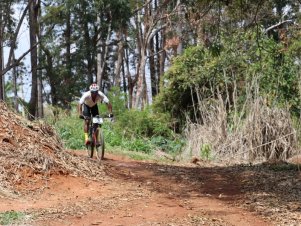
(81, 103)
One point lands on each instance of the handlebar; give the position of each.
(88, 117)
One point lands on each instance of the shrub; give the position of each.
(70, 130)
(143, 123)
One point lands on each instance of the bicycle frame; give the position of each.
(95, 132)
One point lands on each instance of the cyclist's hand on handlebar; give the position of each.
(83, 117)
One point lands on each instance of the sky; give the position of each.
(23, 46)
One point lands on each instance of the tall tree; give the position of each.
(33, 34)
(6, 27)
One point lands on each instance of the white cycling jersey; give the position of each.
(87, 99)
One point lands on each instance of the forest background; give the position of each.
(216, 79)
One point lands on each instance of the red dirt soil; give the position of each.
(136, 193)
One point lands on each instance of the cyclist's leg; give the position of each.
(86, 113)
(94, 111)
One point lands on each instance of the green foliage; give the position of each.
(141, 131)
(246, 60)
(206, 151)
(10, 217)
(173, 146)
(143, 123)
(70, 129)
(118, 99)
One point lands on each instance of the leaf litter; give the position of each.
(32, 151)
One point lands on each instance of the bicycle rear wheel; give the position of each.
(100, 150)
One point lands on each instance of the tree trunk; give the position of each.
(139, 77)
(40, 98)
(118, 65)
(129, 80)
(68, 74)
(40, 110)
(102, 58)
(15, 87)
(89, 54)
(1, 70)
(141, 80)
(99, 59)
(33, 25)
(152, 69)
(161, 59)
(1, 56)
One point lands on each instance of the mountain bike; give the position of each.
(96, 137)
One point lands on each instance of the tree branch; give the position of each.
(17, 61)
(14, 39)
(145, 4)
(277, 25)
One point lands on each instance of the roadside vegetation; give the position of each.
(138, 134)
(214, 80)
(238, 102)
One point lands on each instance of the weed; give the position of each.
(9, 217)
(206, 151)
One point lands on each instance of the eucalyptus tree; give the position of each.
(7, 34)
(75, 40)
(151, 22)
(57, 57)
(34, 7)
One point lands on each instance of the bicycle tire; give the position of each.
(100, 150)
(91, 145)
(90, 149)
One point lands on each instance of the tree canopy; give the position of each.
(175, 52)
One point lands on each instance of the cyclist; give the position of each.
(87, 106)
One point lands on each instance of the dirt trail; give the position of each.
(53, 186)
(141, 193)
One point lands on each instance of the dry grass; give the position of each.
(264, 134)
(31, 151)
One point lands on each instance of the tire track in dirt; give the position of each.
(138, 193)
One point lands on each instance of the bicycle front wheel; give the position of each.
(90, 149)
(101, 148)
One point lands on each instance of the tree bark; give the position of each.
(68, 75)
(33, 26)
(15, 87)
(1, 63)
(152, 68)
(118, 65)
(1, 54)
(102, 58)
(40, 98)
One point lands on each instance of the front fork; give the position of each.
(95, 133)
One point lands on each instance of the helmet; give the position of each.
(94, 87)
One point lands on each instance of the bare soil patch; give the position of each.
(148, 193)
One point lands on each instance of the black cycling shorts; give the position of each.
(90, 110)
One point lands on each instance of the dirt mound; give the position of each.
(31, 152)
